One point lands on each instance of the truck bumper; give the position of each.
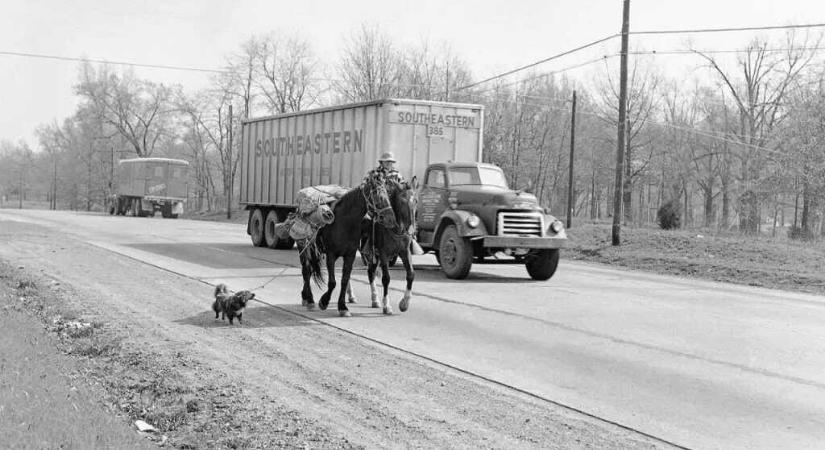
(523, 242)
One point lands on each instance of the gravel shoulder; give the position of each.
(154, 352)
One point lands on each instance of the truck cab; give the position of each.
(467, 213)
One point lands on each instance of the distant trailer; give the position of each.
(147, 185)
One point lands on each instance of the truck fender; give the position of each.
(459, 218)
(548, 231)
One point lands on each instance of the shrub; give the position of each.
(669, 215)
(797, 233)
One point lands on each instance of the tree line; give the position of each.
(738, 149)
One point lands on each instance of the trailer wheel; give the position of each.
(541, 265)
(271, 237)
(256, 228)
(166, 211)
(455, 254)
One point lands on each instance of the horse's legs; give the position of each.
(324, 302)
(385, 281)
(405, 302)
(306, 293)
(350, 297)
(371, 268)
(346, 271)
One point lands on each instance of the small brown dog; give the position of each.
(230, 305)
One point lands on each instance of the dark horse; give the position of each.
(387, 242)
(340, 239)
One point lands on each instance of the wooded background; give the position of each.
(739, 148)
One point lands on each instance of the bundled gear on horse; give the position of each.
(313, 212)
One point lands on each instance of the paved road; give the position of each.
(698, 364)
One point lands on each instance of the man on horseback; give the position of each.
(381, 176)
(385, 171)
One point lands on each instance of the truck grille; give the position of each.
(520, 224)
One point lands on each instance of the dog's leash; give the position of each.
(270, 280)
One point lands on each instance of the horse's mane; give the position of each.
(348, 200)
(397, 204)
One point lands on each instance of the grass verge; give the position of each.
(777, 263)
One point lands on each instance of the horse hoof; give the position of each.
(374, 304)
(352, 300)
(345, 313)
(310, 306)
(403, 305)
(387, 311)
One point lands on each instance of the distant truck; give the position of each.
(145, 186)
(466, 211)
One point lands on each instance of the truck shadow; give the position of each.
(221, 256)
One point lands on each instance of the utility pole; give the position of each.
(229, 169)
(570, 176)
(54, 181)
(618, 188)
(20, 190)
(447, 89)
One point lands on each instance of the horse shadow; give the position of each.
(432, 272)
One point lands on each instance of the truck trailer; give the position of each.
(466, 211)
(147, 185)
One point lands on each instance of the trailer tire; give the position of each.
(542, 264)
(455, 254)
(272, 240)
(256, 228)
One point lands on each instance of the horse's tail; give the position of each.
(313, 259)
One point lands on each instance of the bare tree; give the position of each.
(370, 67)
(759, 85)
(138, 109)
(286, 69)
(432, 72)
(643, 84)
(804, 157)
(208, 130)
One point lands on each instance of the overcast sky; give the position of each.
(492, 36)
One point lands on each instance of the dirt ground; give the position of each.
(139, 343)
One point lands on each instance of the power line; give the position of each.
(724, 30)
(556, 56)
(708, 134)
(117, 63)
(686, 52)
(550, 73)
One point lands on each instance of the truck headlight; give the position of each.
(557, 226)
(473, 221)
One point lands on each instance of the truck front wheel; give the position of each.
(455, 254)
(256, 228)
(542, 264)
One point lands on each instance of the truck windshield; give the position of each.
(484, 176)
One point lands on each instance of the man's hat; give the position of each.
(387, 156)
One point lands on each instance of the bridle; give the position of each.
(372, 208)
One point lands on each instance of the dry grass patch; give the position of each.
(778, 263)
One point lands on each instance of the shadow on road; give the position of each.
(216, 256)
(253, 317)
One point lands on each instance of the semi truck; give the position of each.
(144, 186)
(467, 214)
